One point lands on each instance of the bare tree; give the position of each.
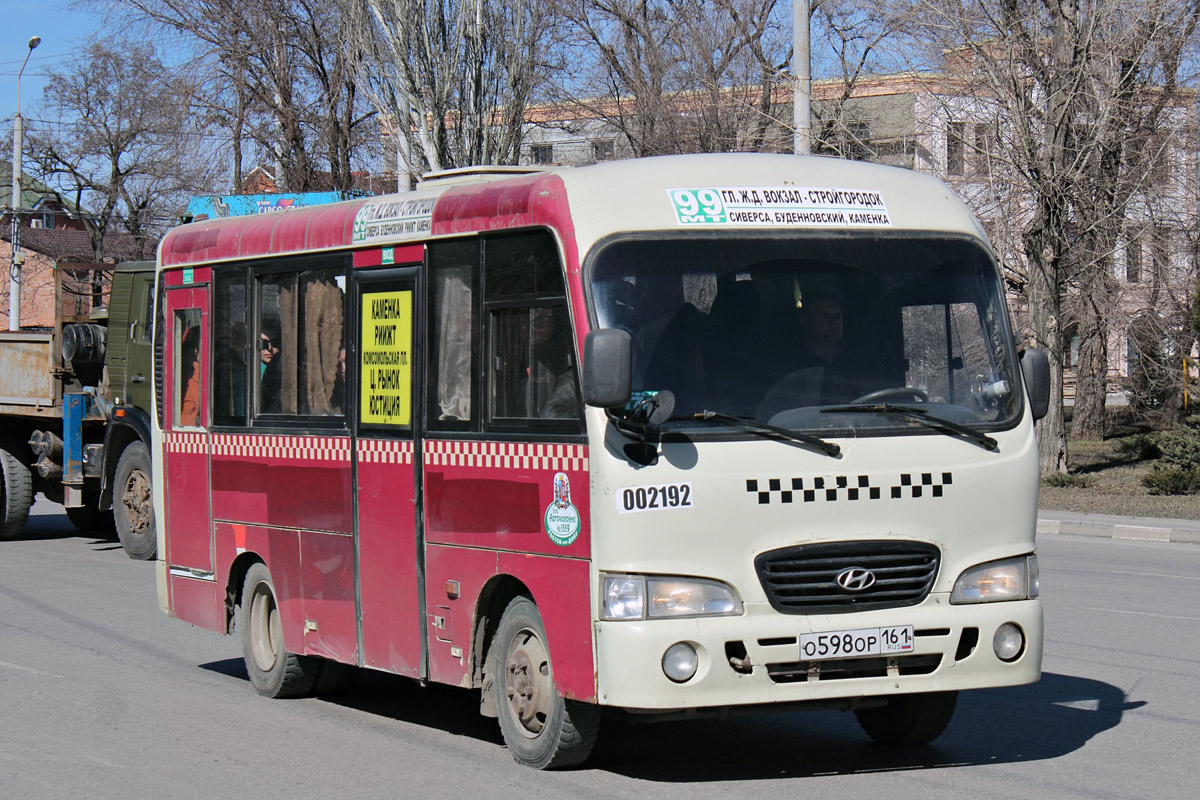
(1073, 84)
(289, 61)
(131, 151)
(676, 77)
(454, 77)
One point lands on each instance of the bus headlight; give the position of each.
(659, 597)
(1011, 579)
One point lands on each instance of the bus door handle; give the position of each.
(138, 378)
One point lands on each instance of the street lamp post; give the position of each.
(14, 285)
(802, 75)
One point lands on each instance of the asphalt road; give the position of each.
(102, 696)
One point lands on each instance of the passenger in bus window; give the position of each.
(189, 405)
(270, 370)
(552, 393)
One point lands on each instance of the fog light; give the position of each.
(1009, 642)
(680, 662)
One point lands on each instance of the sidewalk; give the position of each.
(1153, 529)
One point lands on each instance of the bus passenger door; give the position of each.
(382, 378)
(186, 455)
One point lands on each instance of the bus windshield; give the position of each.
(814, 332)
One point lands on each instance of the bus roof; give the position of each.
(726, 192)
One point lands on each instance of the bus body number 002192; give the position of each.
(653, 498)
(862, 642)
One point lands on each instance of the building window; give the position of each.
(986, 136)
(603, 151)
(858, 137)
(1160, 253)
(956, 140)
(1133, 258)
(542, 153)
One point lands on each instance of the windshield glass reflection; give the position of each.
(788, 330)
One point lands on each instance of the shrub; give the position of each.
(1171, 480)
(1181, 446)
(1140, 446)
(1065, 480)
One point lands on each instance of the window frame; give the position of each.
(251, 276)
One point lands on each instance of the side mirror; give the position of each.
(607, 368)
(1035, 367)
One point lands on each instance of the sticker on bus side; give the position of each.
(562, 517)
(399, 219)
(780, 206)
(384, 359)
(663, 496)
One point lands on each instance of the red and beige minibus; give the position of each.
(696, 433)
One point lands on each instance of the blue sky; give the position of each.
(61, 28)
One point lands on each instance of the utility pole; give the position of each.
(14, 273)
(802, 72)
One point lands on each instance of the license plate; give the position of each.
(851, 644)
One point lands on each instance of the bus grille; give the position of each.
(802, 579)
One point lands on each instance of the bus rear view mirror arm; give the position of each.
(1035, 366)
(607, 368)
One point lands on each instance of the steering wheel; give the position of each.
(894, 393)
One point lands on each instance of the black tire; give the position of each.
(89, 518)
(273, 671)
(133, 503)
(541, 728)
(16, 489)
(910, 718)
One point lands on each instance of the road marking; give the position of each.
(1140, 613)
(18, 667)
(1154, 575)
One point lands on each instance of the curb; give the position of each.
(1147, 529)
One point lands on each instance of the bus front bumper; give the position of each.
(755, 658)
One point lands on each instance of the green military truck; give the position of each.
(75, 406)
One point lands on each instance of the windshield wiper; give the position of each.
(751, 424)
(923, 417)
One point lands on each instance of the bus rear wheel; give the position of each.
(273, 671)
(541, 728)
(133, 503)
(909, 718)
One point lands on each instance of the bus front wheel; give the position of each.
(273, 671)
(909, 718)
(541, 728)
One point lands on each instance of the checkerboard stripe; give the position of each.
(385, 451)
(506, 455)
(186, 442)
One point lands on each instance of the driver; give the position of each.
(820, 356)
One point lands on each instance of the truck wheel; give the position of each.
(273, 671)
(89, 517)
(909, 718)
(541, 728)
(133, 503)
(17, 491)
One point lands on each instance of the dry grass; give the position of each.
(1114, 486)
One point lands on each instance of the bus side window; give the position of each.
(300, 344)
(533, 373)
(187, 368)
(531, 364)
(453, 334)
(231, 357)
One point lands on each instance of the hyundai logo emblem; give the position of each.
(855, 579)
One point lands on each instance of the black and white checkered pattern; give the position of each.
(845, 487)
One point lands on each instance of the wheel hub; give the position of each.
(136, 500)
(527, 683)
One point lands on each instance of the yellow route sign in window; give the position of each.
(386, 359)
